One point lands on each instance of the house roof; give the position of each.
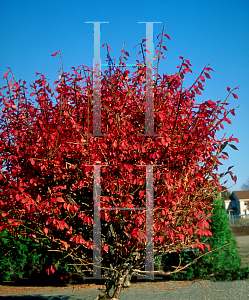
(242, 194)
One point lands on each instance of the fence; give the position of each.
(239, 220)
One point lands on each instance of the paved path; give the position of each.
(230, 290)
(243, 244)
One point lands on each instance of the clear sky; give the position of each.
(215, 32)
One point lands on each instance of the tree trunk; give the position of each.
(113, 287)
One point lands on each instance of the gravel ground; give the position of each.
(171, 290)
(198, 290)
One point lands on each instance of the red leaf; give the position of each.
(143, 40)
(227, 120)
(165, 48)
(167, 36)
(200, 85)
(55, 53)
(32, 161)
(234, 139)
(235, 96)
(59, 199)
(105, 247)
(5, 74)
(45, 230)
(141, 193)
(207, 246)
(225, 153)
(164, 142)
(223, 157)
(141, 235)
(232, 146)
(77, 239)
(135, 232)
(181, 57)
(228, 89)
(52, 269)
(11, 220)
(72, 208)
(200, 246)
(138, 53)
(202, 78)
(207, 75)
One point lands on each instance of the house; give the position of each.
(236, 204)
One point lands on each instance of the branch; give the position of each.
(159, 54)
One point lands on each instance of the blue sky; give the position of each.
(215, 32)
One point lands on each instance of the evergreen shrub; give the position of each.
(23, 260)
(222, 264)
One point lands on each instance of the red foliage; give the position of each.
(47, 185)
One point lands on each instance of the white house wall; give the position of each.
(243, 207)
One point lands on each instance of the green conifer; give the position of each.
(222, 264)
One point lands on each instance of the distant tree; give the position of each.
(245, 186)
